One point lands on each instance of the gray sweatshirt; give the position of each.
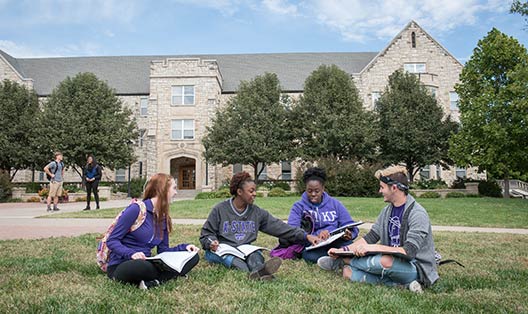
(228, 226)
(416, 237)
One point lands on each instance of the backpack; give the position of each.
(289, 250)
(56, 168)
(103, 252)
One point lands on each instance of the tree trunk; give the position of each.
(13, 176)
(79, 173)
(410, 172)
(506, 193)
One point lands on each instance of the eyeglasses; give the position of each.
(390, 181)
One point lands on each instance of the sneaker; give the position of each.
(97, 207)
(86, 208)
(56, 209)
(329, 263)
(145, 285)
(270, 267)
(415, 287)
(48, 209)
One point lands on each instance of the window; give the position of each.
(286, 170)
(438, 172)
(143, 106)
(41, 175)
(453, 101)
(413, 39)
(264, 174)
(183, 95)
(142, 133)
(237, 168)
(140, 169)
(182, 129)
(461, 173)
(375, 97)
(120, 175)
(433, 90)
(425, 173)
(414, 67)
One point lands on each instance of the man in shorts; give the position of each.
(55, 172)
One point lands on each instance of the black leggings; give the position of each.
(133, 271)
(92, 186)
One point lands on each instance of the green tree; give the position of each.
(520, 8)
(328, 120)
(19, 131)
(83, 116)
(493, 93)
(413, 129)
(251, 128)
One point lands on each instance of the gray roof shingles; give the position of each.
(129, 75)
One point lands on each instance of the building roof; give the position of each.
(129, 75)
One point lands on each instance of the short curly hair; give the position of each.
(238, 181)
(315, 173)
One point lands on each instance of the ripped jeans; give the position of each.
(369, 269)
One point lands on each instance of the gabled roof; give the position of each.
(12, 61)
(129, 75)
(397, 37)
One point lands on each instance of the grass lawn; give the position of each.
(60, 275)
(477, 212)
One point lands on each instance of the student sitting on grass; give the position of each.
(403, 227)
(326, 213)
(129, 250)
(237, 221)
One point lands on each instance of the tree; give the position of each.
(251, 128)
(413, 129)
(329, 121)
(493, 92)
(520, 8)
(19, 131)
(83, 116)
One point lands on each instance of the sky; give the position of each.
(55, 28)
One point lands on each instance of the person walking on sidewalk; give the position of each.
(55, 173)
(92, 176)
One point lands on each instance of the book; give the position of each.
(241, 251)
(343, 228)
(395, 254)
(172, 260)
(331, 239)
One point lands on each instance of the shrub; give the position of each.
(260, 194)
(430, 194)
(5, 187)
(205, 196)
(429, 184)
(489, 188)
(223, 193)
(83, 199)
(43, 192)
(73, 188)
(136, 187)
(455, 195)
(32, 187)
(472, 195)
(277, 192)
(458, 183)
(33, 199)
(277, 184)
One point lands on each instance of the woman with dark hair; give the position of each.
(129, 249)
(325, 212)
(237, 221)
(92, 176)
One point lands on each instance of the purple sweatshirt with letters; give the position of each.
(123, 243)
(329, 215)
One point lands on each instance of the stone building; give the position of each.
(174, 97)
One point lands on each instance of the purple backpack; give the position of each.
(289, 250)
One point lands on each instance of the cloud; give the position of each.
(24, 51)
(358, 20)
(225, 7)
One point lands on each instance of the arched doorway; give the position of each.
(184, 169)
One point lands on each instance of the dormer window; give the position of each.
(414, 67)
(413, 39)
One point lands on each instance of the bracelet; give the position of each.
(345, 248)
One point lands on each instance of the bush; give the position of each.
(458, 184)
(223, 193)
(277, 184)
(83, 199)
(472, 195)
(136, 187)
(430, 194)
(455, 195)
(73, 188)
(489, 188)
(43, 192)
(277, 192)
(32, 187)
(33, 199)
(5, 187)
(346, 178)
(429, 184)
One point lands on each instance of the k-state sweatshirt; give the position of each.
(228, 226)
(329, 215)
(123, 243)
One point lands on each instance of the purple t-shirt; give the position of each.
(395, 225)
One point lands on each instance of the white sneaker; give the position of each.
(329, 263)
(415, 287)
(145, 285)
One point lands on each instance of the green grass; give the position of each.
(60, 275)
(477, 212)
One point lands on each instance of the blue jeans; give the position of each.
(253, 261)
(313, 255)
(369, 269)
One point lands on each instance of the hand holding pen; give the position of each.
(213, 244)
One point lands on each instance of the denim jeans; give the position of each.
(254, 261)
(369, 269)
(313, 255)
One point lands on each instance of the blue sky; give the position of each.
(46, 28)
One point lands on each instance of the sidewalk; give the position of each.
(19, 221)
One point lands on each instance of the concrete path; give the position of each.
(19, 221)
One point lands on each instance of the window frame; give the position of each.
(451, 101)
(118, 175)
(283, 168)
(183, 95)
(373, 99)
(143, 100)
(415, 67)
(182, 129)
